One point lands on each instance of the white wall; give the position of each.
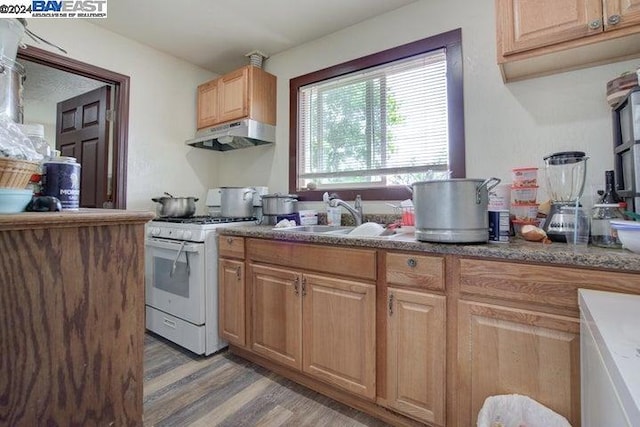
(506, 126)
(162, 110)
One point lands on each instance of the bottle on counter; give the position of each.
(610, 207)
(610, 195)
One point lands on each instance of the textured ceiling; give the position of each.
(46, 84)
(216, 34)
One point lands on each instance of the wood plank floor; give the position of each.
(182, 389)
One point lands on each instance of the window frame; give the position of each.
(451, 41)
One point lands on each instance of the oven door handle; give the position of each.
(173, 245)
(175, 261)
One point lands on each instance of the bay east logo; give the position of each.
(69, 9)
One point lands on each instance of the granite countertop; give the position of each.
(516, 250)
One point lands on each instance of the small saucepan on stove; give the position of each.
(177, 207)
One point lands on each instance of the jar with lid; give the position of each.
(601, 232)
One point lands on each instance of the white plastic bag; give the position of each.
(514, 410)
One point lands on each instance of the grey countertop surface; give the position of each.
(516, 250)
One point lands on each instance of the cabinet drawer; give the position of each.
(347, 262)
(231, 246)
(555, 287)
(417, 271)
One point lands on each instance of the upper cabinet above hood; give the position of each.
(236, 110)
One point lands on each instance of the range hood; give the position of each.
(233, 135)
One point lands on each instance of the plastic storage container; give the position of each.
(11, 33)
(524, 177)
(601, 232)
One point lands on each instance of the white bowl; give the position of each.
(13, 200)
(628, 233)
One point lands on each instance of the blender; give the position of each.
(565, 176)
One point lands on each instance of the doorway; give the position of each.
(120, 87)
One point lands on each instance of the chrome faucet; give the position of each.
(355, 211)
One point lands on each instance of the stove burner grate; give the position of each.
(203, 219)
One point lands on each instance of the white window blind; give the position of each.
(386, 125)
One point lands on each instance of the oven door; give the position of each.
(175, 278)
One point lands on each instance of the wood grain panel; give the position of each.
(71, 326)
(506, 351)
(527, 24)
(233, 95)
(262, 96)
(208, 104)
(546, 286)
(339, 342)
(276, 314)
(358, 263)
(231, 286)
(426, 272)
(231, 247)
(416, 348)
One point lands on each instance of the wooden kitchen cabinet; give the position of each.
(72, 323)
(248, 92)
(537, 37)
(518, 332)
(208, 109)
(414, 320)
(231, 288)
(506, 350)
(416, 348)
(319, 324)
(276, 316)
(339, 334)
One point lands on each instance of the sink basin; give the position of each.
(321, 229)
(346, 231)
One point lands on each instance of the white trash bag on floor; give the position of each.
(514, 410)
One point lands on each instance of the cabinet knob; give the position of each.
(595, 24)
(613, 20)
(229, 240)
(412, 262)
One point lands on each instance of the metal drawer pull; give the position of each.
(169, 323)
(412, 262)
(238, 272)
(613, 20)
(304, 286)
(296, 283)
(229, 240)
(390, 304)
(595, 24)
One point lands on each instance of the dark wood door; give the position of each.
(82, 132)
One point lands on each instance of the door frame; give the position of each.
(121, 85)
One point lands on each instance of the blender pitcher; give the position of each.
(565, 175)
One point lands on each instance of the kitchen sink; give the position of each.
(341, 231)
(318, 229)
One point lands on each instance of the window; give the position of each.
(379, 123)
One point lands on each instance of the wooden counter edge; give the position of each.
(80, 218)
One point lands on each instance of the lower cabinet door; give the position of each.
(515, 351)
(339, 333)
(276, 320)
(416, 348)
(231, 288)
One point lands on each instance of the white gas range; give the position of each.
(181, 280)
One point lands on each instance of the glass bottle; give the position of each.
(610, 195)
(610, 207)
